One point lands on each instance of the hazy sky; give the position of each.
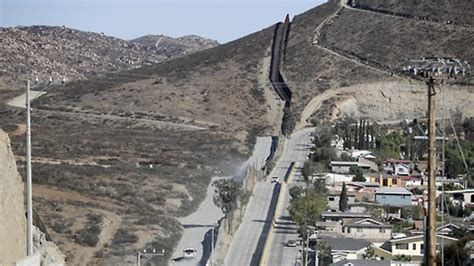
(222, 20)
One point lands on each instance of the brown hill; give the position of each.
(150, 138)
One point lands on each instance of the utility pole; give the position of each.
(29, 197)
(431, 173)
(430, 68)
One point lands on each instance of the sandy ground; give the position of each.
(20, 101)
(388, 101)
(195, 227)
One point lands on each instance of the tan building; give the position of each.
(368, 228)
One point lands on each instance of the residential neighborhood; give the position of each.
(376, 203)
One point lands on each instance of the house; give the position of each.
(393, 196)
(387, 180)
(362, 153)
(339, 216)
(329, 227)
(409, 246)
(366, 194)
(397, 167)
(346, 262)
(341, 167)
(333, 179)
(347, 248)
(447, 229)
(464, 197)
(367, 228)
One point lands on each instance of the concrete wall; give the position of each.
(12, 209)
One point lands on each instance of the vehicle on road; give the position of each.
(274, 179)
(189, 253)
(291, 243)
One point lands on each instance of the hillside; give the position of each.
(138, 147)
(60, 52)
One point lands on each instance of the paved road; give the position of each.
(196, 226)
(244, 248)
(285, 229)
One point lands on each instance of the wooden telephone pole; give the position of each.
(431, 221)
(430, 67)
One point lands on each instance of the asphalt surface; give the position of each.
(285, 229)
(196, 226)
(244, 247)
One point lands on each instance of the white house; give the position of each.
(464, 197)
(368, 229)
(347, 248)
(409, 246)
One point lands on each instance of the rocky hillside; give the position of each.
(175, 46)
(61, 52)
(115, 147)
(12, 220)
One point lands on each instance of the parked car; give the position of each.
(275, 179)
(189, 253)
(291, 243)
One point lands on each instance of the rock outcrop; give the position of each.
(12, 220)
(63, 53)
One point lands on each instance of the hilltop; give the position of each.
(61, 52)
(142, 144)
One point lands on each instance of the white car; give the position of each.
(189, 253)
(274, 179)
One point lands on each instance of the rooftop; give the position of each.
(361, 263)
(346, 214)
(346, 244)
(393, 190)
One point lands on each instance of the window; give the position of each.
(385, 182)
(401, 246)
(472, 198)
(414, 247)
(394, 181)
(331, 198)
(359, 230)
(421, 249)
(348, 229)
(382, 230)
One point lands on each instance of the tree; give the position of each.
(358, 175)
(306, 209)
(295, 192)
(289, 121)
(343, 198)
(456, 253)
(227, 191)
(307, 170)
(324, 254)
(319, 186)
(369, 254)
(402, 258)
